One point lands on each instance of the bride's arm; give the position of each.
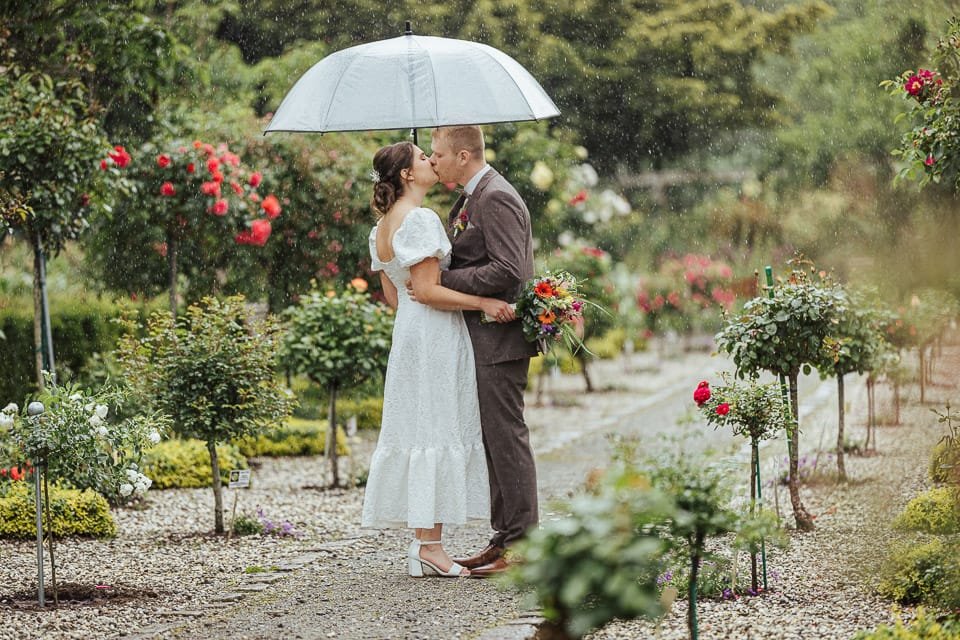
(389, 291)
(424, 278)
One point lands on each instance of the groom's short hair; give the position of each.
(468, 137)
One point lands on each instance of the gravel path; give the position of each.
(339, 581)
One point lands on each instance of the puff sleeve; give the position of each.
(420, 236)
(375, 264)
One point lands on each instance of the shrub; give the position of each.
(922, 573)
(944, 463)
(73, 513)
(921, 628)
(295, 438)
(369, 411)
(608, 346)
(933, 511)
(185, 464)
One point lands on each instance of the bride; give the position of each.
(429, 467)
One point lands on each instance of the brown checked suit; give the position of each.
(493, 257)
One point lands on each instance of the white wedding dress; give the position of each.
(429, 465)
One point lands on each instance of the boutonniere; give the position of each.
(460, 223)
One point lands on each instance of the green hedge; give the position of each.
(80, 329)
(933, 511)
(944, 463)
(74, 513)
(298, 437)
(369, 411)
(923, 627)
(923, 571)
(185, 464)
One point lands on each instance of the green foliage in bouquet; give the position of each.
(185, 463)
(549, 307)
(73, 513)
(935, 510)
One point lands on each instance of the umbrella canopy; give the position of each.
(412, 82)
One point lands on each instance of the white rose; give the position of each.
(6, 420)
(154, 437)
(102, 430)
(11, 408)
(133, 465)
(541, 176)
(95, 420)
(89, 407)
(102, 410)
(132, 475)
(126, 489)
(76, 397)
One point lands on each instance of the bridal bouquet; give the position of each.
(550, 308)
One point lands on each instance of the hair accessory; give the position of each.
(375, 176)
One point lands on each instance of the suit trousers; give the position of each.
(506, 439)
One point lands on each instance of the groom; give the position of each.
(489, 227)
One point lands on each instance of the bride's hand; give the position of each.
(499, 310)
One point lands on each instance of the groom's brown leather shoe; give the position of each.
(498, 566)
(488, 555)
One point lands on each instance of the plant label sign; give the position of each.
(239, 478)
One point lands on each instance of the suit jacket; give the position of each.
(492, 257)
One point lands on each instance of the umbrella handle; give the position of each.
(408, 31)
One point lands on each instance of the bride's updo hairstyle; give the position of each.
(388, 162)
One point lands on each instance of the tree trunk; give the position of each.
(332, 438)
(53, 560)
(841, 468)
(583, 369)
(896, 403)
(800, 513)
(923, 374)
(172, 247)
(217, 488)
(42, 333)
(692, 587)
(754, 454)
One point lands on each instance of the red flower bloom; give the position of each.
(103, 165)
(15, 474)
(913, 85)
(219, 207)
(210, 189)
(191, 168)
(723, 409)
(271, 206)
(217, 177)
(702, 394)
(84, 199)
(580, 197)
(163, 161)
(256, 235)
(167, 189)
(544, 290)
(119, 156)
(212, 165)
(930, 160)
(237, 189)
(3, 473)
(160, 248)
(255, 179)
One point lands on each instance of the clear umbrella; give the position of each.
(412, 82)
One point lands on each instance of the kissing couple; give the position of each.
(453, 445)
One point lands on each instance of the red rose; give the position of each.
(255, 179)
(3, 473)
(210, 189)
(84, 199)
(15, 473)
(163, 161)
(913, 85)
(119, 156)
(580, 197)
(702, 393)
(167, 189)
(212, 165)
(103, 165)
(191, 168)
(217, 177)
(256, 235)
(930, 160)
(219, 207)
(271, 206)
(237, 189)
(723, 409)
